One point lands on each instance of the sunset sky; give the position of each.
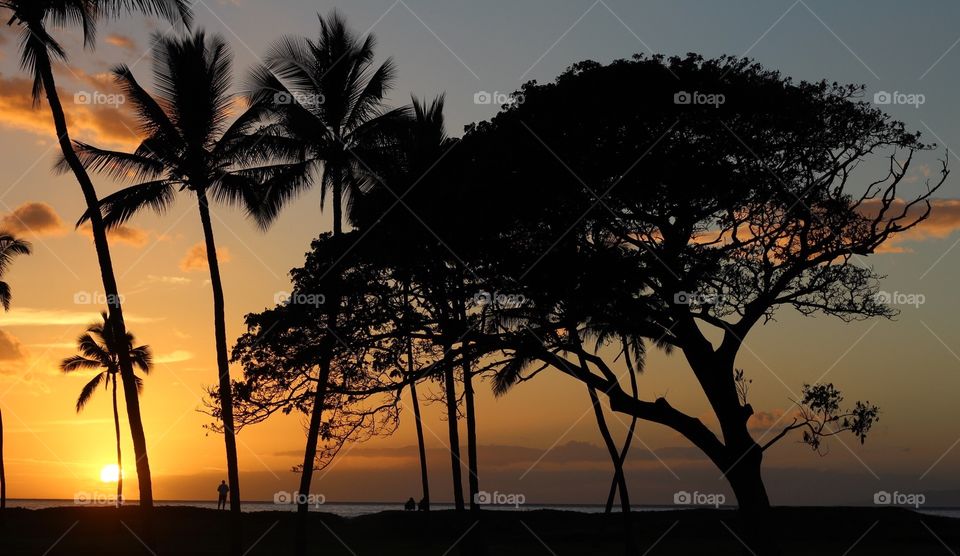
(540, 440)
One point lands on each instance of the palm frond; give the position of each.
(87, 392)
(117, 165)
(119, 207)
(142, 357)
(78, 362)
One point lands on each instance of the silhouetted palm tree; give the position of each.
(37, 50)
(326, 100)
(9, 248)
(189, 146)
(326, 96)
(3, 476)
(100, 347)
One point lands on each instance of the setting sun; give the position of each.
(110, 473)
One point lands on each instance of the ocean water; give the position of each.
(354, 509)
(343, 509)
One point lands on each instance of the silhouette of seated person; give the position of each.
(422, 505)
(410, 505)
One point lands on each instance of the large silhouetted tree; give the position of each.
(191, 143)
(326, 100)
(283, 347)
(709, 193)
(38, 50)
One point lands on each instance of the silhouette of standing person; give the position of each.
(222, 490)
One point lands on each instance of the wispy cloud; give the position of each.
(174, 357)
(130, 235)
(121, 41)
(943, 221)
(33, 217)
(26, 316)
(196, 258)
(101, 123)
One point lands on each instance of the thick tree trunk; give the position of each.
(746, 480)
(116, 428)
(223, 361)
(3, 474)
(130, 394)
(472, 464)
(451, 400)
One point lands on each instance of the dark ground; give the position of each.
(821, 531)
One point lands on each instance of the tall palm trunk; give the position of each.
(472, 465)
(320, 393)
(310, 454)
(451, 399)
(223, 363)
(3, 475)
(130, 395)
(415, 400)
(424, 479)
(116, 427)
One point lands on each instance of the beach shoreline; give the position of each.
(189, 530)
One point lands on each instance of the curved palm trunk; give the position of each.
(130, 394)
(223, 363)
(635, 391)
(424, 479)
(629, 543)
(3, 475)
(611, 448)
(415, 400)
(116, 427)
